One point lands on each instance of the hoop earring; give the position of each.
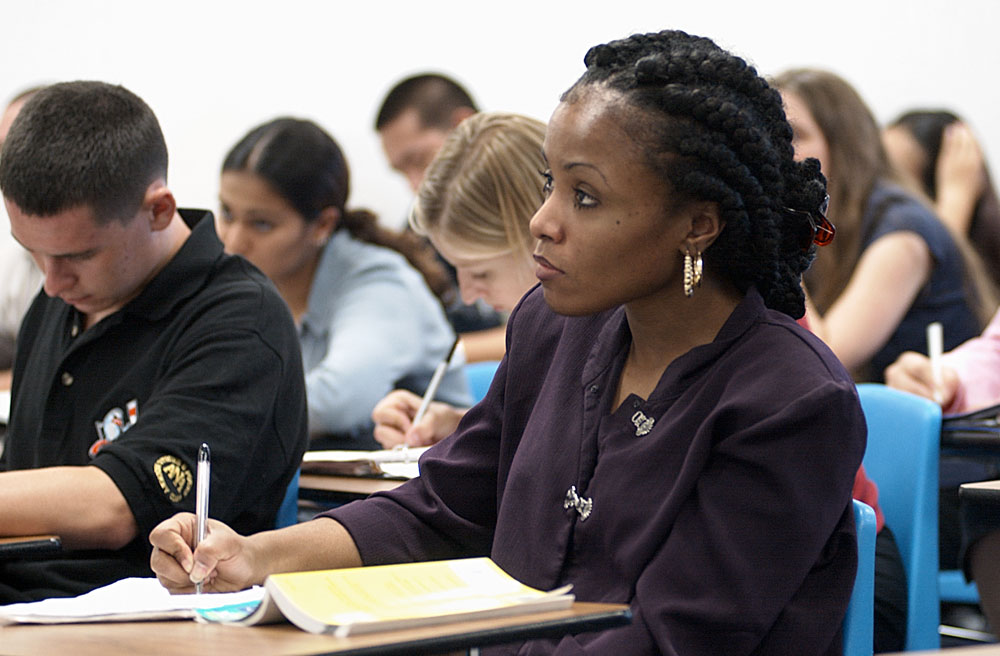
(693, 269)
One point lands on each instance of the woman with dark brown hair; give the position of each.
(894, 267)
(367, 321)
(941, 155)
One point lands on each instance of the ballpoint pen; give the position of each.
(429, 393)
(935, 348)
(435, 382)
(201, 497)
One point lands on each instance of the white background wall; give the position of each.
(211, 69)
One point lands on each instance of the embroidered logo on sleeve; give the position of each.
(113, 425)
(174, 477)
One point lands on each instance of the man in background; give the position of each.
(413, 121)
(416, 117)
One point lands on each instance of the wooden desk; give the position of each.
(30, 545)
(984, 650)
(189, 638)
(979, 508)
(351, 485)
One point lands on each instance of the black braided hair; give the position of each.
(717, 131)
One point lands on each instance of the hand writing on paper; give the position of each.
(912, 372)
(393, 417)
(222, 561)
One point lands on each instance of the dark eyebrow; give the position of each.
(77, 256)
(64, 256)
(572, 165)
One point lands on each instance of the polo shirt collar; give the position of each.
(185, 273)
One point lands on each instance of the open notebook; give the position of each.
(342, 601)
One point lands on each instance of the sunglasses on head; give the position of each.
(820, 230)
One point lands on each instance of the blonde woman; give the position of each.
(474, 205)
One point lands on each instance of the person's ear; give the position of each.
(325, 225)
(160, 203)
(705, 226)
(459, 114)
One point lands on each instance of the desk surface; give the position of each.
(347, 484)
(30, 545)
(189, 638)
(984, 650)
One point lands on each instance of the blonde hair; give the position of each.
(484, 185)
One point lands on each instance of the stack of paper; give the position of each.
(391, 463)
(127, 600)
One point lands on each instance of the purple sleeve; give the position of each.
(449, 511)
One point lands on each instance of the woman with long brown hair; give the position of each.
(894, 267)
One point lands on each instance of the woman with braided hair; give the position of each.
(660, 432)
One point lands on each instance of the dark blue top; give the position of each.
(944, 298)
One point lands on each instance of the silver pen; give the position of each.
(435, 382)
(201, 497)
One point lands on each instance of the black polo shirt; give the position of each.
(206, 353)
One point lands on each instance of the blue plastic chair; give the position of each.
(953, 587)
(859, 623)
(480, 375)
(904, 436)
(288, 511)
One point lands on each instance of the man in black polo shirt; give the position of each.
(146, 341)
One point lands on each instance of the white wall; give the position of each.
(211, 69)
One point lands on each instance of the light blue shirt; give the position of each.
(372, 326)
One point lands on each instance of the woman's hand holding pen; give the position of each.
(226, 561)
(222, 562)
(912, 372)
(394, 416)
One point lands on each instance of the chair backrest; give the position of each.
(288, 511)
(859, 623)
(904, 437)
(954, 589)
(480, 375)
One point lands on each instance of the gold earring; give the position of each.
(693, 269)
